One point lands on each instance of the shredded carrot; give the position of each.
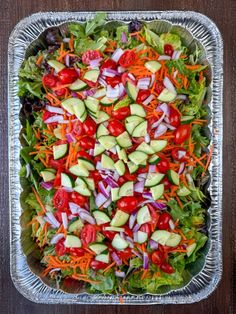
(166, 197)
(181, 233)
(193, 67)
(71, 43)
(38, 199)
(39, 60)
(43, 161)
(144, 274)
(208, 160)
(85, 279)
(179, 202)
(109, 267)
(135, 33)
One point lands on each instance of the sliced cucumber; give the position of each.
(154, 159)
(107, 102)
(153, 179)
(132, 167)
(79, 171)
(161, 236)
(124, 102)
(143, 215)
(107, 141)
(56, 65)
(137, 110)
(145, 148)
(124, 140)
(158, 145)
(100, 217)
(98, 248)
(98, 149)
(173, 240)
(88, 164)
(121, 153)
(78, 85)
(92, 104)
(138, 157)
(82, 191)
(51, 170)
(92, 75)
(119, 219)
(166, 95)
(127, 189)
(190, 249)
(107, 162)
(66, 180)
(142, 237)
(100, 93)
(152, 66)
(183, 191)
(101, 130)
(60, 151)
(57, 132)
(187, 119)
(119, 243)
(140, 130)
(47, 175)
(100, 237)
(173, 177)
(68, 105)
(115, 194)
(116, 229)
(75, 225)
(131, 122)
(157, 191)
(72, 241)
(120, 167)
(81, 182)
(102, 117)
(132, 90)
(104, 258)
(84, 117)
(90, 183)
(79, 108)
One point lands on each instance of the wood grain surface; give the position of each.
(223, 300)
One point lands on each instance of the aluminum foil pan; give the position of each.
(194, 29)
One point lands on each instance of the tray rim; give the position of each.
(218, 273)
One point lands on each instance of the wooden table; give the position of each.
(224, 14)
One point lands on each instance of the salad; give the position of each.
(114, 156)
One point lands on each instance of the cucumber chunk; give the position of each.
(138, 157)
(190, 249)
(101, 130)
(143, 215)
(119, 219)
(104, 258)
(83, 162)
(98, 149)
(72, 241)
(79, 170)
(78, 85)
(121, 152)
(75, 225)
(92, 75)
(107, 141)
(186, 119)
(98, 248)
(132, 90)
(183, 191)
(153, 160)
(66, 180)
(137, 110)
(140, 130)
(161, 236)
(127, 189)
(120, 167)
(173, 177)
(132, 167)
(124, 140)
(56, 65)
(145, 148)
(142, 237)
(166, 95)
(90, 183)
(115, 194)
(101, 217)
(92, 104)
(107, 102)
(60, 151)
(119, 243)
(82, 191)
(47, 175)
(107, 162)
(131, 122)
(173, 240)
(153, 179)
(157, 191)
(152, 66)
(158, 145)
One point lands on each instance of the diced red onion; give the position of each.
(136, 228)
(74, 208)
(55, 109)
(66, 40)
(100, 199)
(102, 82)
(103, 189)
(163, 57)
(70, 217)
(67, 189)
(143, 83)
(169, 126)
(67, 121)
(120, 274)
(176, 54)
(46, 185)
(74, 95)
(87, 217)
(95, 63)
(109, 72)
(116, 176)
(132, 219)
(120, 69)
(111, 182)
(148, 100)
(135, 235)
(53, 221)
(123, 38)
(91, 152)
(89, 92)
(53, 119)
(70, 138)
(175, 74)
(161, 129)
(145, 260)
(113, 150)
(131, 76)
(181, 97)
(108, 203)
(159, 205)
(164, 108)
(53, 270)
(113, 92)
(122, 90)
(152, 168)
(64, 220)
(27, 168)
(181, 154)
(147, 138)
(122, 235)
(146, 202)
(171, 224)
(152, 80)
(153, 244)
(155, 124)
(181, 168)
(137, 254)
(117, 54)
(56, 238)
(147, 195)
(116, 259)
(130, 241)
(142, 176)
(40, 220)
(139, 187)
(78, 71)
(168, 84)
(67, 60)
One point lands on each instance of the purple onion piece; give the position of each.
(123, 38)
(145, 260)
(56, 238)
(100, 199)
(139, 186)
(136, 228)
(46, 185)
(153, 244)
(116, 258)
(132, 219)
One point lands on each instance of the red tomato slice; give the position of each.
(127, 59)
(88, 234)
(61, 199)
(127, 204)
(182, 133)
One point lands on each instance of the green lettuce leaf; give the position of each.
(76, 29)
(153, 39)
(107, 283)
(171, 39)
(96, 23)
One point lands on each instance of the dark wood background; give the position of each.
(223, 300)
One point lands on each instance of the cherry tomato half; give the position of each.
(168, 50)
(90, 55)
(56, 163)
(153, 213)
(163, 221)
(87, 142)
(182, 133)
(113, 81)
(115, 127)
(67, 76)
(127, 203)
(79, 252)
(77, 128)
(142, 95)
(47, 115)
(49, 80)
(179, 153)
(60, 248)
(167, 268)
(96, 265)
(167, 184)
(61, 199)
(146, 228)
(108, 64)
(96, 176)
(57, 180)
(174, 117)
(84, 154)
(88, 234)
(78, 199)
(157, 257)
(127, 59)
(163, 165)
(124, 254)
(60, 91)
(122, 113)
(89, 127)
(159, 87)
